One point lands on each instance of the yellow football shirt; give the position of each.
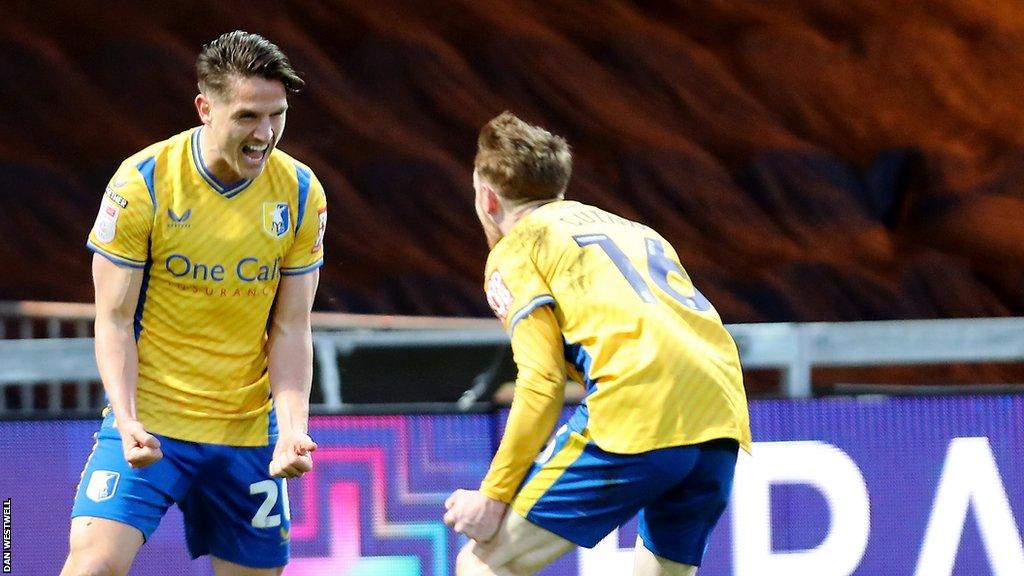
(659, 367)
(213, 255)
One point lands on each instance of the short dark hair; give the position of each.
(243, 54)
(523, 161)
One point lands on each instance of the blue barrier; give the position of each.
(896, 486)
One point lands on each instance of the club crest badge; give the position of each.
(102, 485)
(276, 220)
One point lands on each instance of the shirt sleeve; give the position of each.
(514, 285)
(125, 220)
(539, 394)
(307, 252)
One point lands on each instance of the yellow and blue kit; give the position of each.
(212, 256)
(605, 300)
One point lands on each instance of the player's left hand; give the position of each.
(293, 455)
(472, 513)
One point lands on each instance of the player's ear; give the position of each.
(203, 108)
(492, 204)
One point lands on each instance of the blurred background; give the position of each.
(812, 161)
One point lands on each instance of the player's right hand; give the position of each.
(140, 447)
(293, 455)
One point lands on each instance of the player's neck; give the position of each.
(214, 161)
(516, 214)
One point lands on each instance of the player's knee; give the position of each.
(469, 564)
(86, 564)
(521, 567)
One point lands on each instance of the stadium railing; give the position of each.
(49, 345)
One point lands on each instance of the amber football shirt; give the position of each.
(659, 367)
(213, 255)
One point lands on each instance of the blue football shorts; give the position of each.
(233, 508)
(582, 493)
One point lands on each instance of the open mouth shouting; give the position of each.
(255, 154)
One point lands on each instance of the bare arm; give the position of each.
(290, 366)
(117, 295)
(117, 356)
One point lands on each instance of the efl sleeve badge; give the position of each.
(106, 222)
(499, 296)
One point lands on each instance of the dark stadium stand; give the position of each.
(810, 160)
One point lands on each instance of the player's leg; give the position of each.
(225, 568)
(675, 527)
(117, 507)
(519, 547)
(646, 563)
(101, 547)
(575, 494)
(238, 514)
